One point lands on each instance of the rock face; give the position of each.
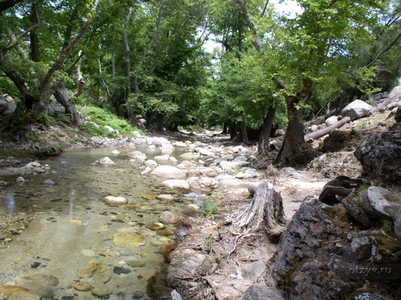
(357, 109)
(380, 156)
(327, 253)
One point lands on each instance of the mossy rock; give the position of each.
(47, 150)
(336, 141)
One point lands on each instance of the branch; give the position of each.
(264, 9)
(17, 39)
(45, 83)
(385, 50)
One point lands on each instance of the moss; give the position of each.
(395, 197)
(387, 244)
(338, 215)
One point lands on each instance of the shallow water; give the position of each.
(73, 227)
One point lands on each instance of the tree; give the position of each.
(36, 76)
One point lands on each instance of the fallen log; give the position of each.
(327, 130)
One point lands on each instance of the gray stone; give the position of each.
(395, 92)
(7, 105)
(380, 156)
(331, 120)
(169, 172)
(262, 292)
(357, 109)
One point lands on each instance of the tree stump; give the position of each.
(264, 212)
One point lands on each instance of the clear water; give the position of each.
(72, 226)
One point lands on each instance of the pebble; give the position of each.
(35, 264)
(20, 180)
(121, 270)
(82, 286)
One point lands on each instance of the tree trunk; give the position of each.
(61, 95)
(127, 52)
(34, 43)
(80, 81)
(294, 151)
(265, 132)
(244, 133)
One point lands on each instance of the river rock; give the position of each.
(202, 171)
(82, 286)
(169, 172)
(186, 164)
(167, 149)
(178, 184)
(38, 283)
(331, 120)
(128, 240)
(205, 152)
(260, 291)
(31, 168)
(20, 180)
(151, 164)
(357, 109)
(48, 182)
(11, 292)
(180, 144)
(187, 267)
(247, 173)
(105, 161)
(380, 156)
(232, 165)
(168, 217)
(228, 181)
(189, 156)
(166, 197)
(166, 159)
(155, 226)
(138, 156)
(135, 261)
(115, 200)
(202, 184)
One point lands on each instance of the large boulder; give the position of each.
(395, 92)
(187, 267)
(327, 254)
(169, 172)
(7, 105)
(357, 109)
(380, 156)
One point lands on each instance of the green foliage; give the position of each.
(210, 206)
(99, 118)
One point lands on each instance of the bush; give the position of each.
(102, 117)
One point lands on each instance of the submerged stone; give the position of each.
(128, 240)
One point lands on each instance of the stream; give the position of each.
(78, 247)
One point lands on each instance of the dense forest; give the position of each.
(146, 59)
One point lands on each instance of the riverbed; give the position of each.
(77, 246)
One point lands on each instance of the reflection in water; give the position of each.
(71, 200)
(10, 202)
